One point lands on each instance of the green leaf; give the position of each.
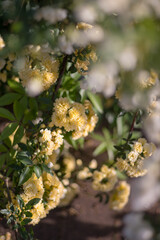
(2, 159)
(28, 214)
(9, 98)
(70, 140)
(8, 130)
(4, 113)
(25, 175)
(119, 148)
(20, 201)
(33, 104)
(83, 95)
(80, 142)
(96, 101)
(23, 154)
(5, 211)
(99, 196)
(7, 142)
(47, 169)
(121, 175)
(23, 146)
(32, 202)
(28, 116)
(106, 134)
(26, 221)
(98, 137)
(18, 111)
(19, 108)
(107, 199)
(100, 149)
(17, 87)
(24, 158)
(122, 113)
(26, 161)
(18, 135)
(3, 148)
(37, 171)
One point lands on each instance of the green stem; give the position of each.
(59, 80)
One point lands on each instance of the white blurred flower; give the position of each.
(138, 93)
(37, 120)
(155, 4)
(142, 77)
(128, 58)
(102, 78)
(146, 190)
(95, 34)
(140, 10)
(135, 228)
(20, 64)
(50, 14)
(111, 6)
(65, 46)
(85, 13)
(152, 127)
(34, 87)
(78, 38)
(50, 165)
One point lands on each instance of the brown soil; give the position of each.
(85, 219)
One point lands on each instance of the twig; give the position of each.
(59, 80)
(16, 234)
(10, 200)
(7, 189)
(132, 126)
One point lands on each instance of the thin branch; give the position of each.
(10, 200)
(132, 125)
(16, 234)
(59, 80)
(7, 189)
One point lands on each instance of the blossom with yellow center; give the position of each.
(46, 135)
(119, 197)
(132, 156)
(122, 164)
(82, 59)
(38, 212)
(39, 65)
(33, 188)
(84, 173)
(105, 179)
(73, 117)
(148, 149)
(54, 190)
(69, 163)
(138, 147)
(142, 141)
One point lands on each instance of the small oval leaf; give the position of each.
(18, 135)
(25, 175)
(8, 130)
(9, 98)
(37, 171)
(4, 113)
